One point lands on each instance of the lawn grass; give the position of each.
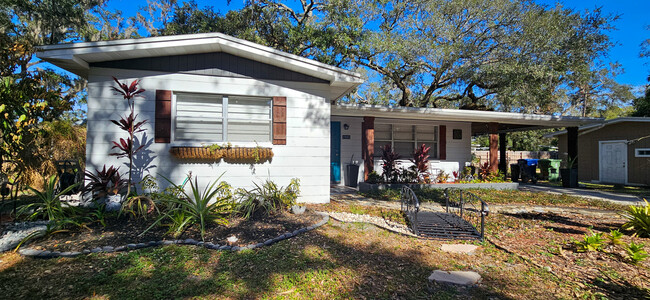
(505, 197)
(345, 261)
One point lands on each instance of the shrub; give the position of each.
(442, 177)
(638, 219)
(421, 161)
(105, 182)
(373, 177)
(197, 207)
(591, 242)
(390, 171)
(139, 206)
(267, 198)
(635, 252)
(615, 237)
(49, 204)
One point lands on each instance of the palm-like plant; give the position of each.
(49, 204)
(128, 123)
(421, 161)
(211, 205)
(267, 197)
(389, 156)
(638, 219)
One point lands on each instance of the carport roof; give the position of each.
(480, 119)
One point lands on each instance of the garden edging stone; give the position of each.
(29, 252)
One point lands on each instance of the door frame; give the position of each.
(335, 142)
(600, 167)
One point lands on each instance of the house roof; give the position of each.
(507, 121)
(77, 57)
(593, 127)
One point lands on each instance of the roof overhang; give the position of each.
(507, 121)
(76, 57)
(593, 127)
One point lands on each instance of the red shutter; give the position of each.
(279, 120)
(163, 121)
(443, 142)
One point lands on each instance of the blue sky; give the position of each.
(631, 28)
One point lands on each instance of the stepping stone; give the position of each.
(459, 248)
(455, 277)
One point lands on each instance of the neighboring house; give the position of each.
(207, 89)
(211, 88)
(616, 151)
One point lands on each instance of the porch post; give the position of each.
(572, 144)
(503, 164)
(368, 145)
(494, 142)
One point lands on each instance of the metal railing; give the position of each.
(469, 207)
(410, 206)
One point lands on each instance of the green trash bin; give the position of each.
(544, 166)
(554, 170)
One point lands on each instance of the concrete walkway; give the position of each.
(624, 199)
(350, 196)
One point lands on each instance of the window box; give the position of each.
(233, 154)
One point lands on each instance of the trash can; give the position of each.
(554, 169)
(353, 175)
(544, 166)
(514, 172)
(528, 169)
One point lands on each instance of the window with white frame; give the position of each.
(222, 118)
(642, 152)
(406, 138)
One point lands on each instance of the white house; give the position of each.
(206, 89)
(211, 88)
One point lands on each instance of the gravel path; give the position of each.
(14, 233)
(377, 221)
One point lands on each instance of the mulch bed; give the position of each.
(548, 239)
(125, 230)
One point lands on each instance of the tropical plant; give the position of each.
(126, 147)
(49, 204)
(614, 237)
(389, 167)
(442, 177)
(635, 252)
(210, 205)
(373, 177)
(421, 161)
(591, 242)
(105, 182)
(267, 198)
(139, 206)
(638, 219)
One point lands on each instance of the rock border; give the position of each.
(29, 252)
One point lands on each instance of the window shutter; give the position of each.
(443, 142)
(163, 121)
(279, 120)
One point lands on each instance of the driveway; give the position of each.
(617, 198)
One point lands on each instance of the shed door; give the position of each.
(613, 161)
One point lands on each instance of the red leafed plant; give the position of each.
(390, 171)
(456, 178)
(421, 161)
(129, 124)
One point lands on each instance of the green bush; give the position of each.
(638, 219)
(614, 237)
(591, 242)
(212, 205)
(267, 198)
(635, 252)
(49, 205)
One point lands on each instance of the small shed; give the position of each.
(616, 151)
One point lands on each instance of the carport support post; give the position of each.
(572, 145)
(368, 145)
(494, 142)
(503, 166)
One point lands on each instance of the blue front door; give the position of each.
(335, 152)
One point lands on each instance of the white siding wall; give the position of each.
(306, 155)
(457, 150)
